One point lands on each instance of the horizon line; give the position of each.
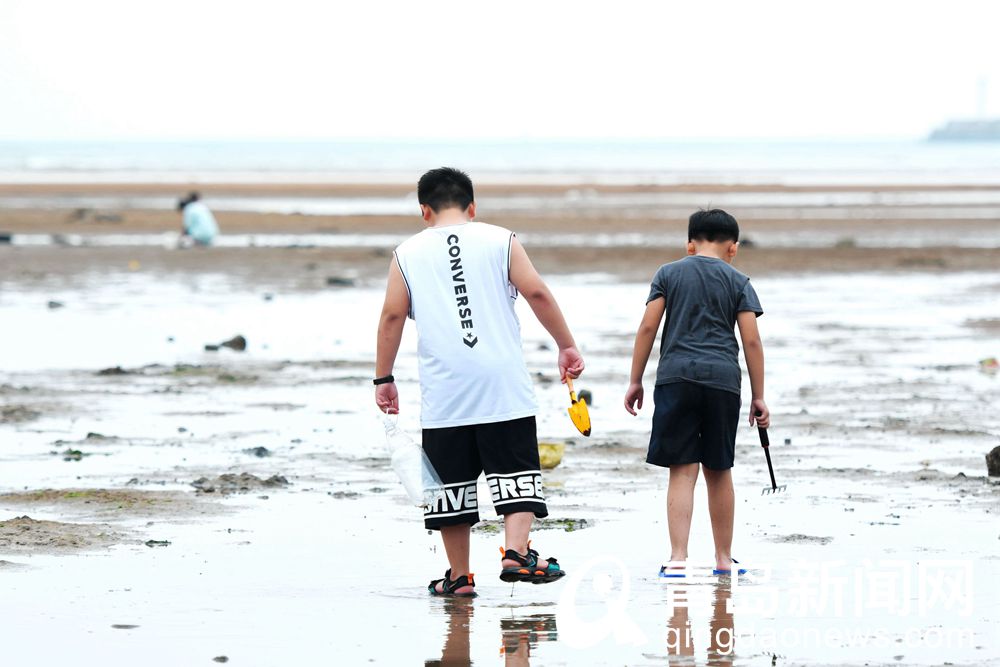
(468, 140)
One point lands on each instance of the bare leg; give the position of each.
(456, 546)
(516, 527)
(680, 503)
(721, 507)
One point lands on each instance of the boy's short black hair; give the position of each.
(713, 225)
(445, 188)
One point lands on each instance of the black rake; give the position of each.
(766, 444)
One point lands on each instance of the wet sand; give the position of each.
(882, 417)
(310, 268)
(569, 235)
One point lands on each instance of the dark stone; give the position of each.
(116, 370)
(211, 348)
(56, 304)
(586, 396)
(238, 343)
(993, 463)
(6, 238)
(338, 281)
(259, 452)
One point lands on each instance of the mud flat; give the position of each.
(108, 502)
(882, 416)
(26, 535)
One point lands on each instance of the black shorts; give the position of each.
(693, 423)
(506, 451)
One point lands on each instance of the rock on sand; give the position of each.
(242, 483)
(993, 463)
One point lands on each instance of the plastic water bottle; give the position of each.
(410, 462)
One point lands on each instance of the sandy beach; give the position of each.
(171, 505)
(573, 228)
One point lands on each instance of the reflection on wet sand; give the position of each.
(455, 652)
(681, 635)
(519, 635)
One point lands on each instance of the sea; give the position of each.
(632, 161)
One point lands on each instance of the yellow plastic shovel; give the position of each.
(578, 410)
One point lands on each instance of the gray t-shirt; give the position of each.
(703, 295)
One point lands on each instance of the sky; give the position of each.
(456, 70)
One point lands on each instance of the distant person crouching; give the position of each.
(200, 227)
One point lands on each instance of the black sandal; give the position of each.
(527, 568)
(449, 586)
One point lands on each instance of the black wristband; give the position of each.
(383, 380)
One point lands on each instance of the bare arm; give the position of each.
(527, 281)
(390, 332)
(753, 351)
(644, 339)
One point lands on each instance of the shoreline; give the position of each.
(389, 188)
(830, 215)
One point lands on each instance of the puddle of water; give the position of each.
(276, 586)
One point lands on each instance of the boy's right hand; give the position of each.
(387, 398)
(633, 397)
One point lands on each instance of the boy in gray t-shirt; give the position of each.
(697, 393)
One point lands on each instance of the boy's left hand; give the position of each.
(759, 414)
(570, 363)
(633, 398)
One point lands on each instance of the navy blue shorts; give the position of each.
(693, 423)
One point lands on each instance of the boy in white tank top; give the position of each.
(458, 280)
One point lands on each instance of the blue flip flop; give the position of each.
(730, 572)
(664, 574)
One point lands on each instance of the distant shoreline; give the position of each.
(708, 180)
(85, 185)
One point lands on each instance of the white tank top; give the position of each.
(468, 337)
